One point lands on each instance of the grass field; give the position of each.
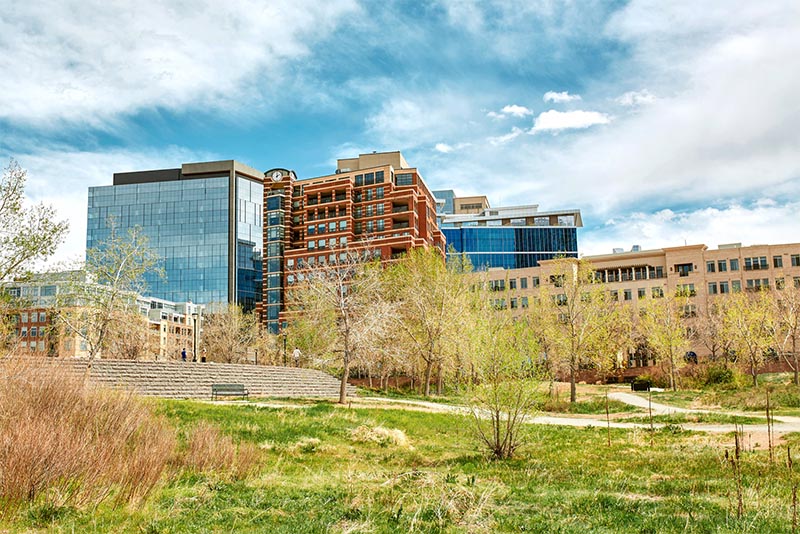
(327, 468)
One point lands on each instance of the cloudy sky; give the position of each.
(663, 122)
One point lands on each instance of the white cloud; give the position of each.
(763, 221)
(516, 111)
(91, 60)
(443, 148)
(636, 98)
(558, 98)
(555, 121)
(502, 139)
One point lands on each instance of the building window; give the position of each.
(796, 281)
(312, 230)
(712, 288)
(312, 244)
(795, 260)
(755, 263)
(756, 284)
(403, 179)
(722, 266)
(780, 283)
(497, 285)
(777, 261)
(710, 266)
(34, 333)
(685, 290)
(614, 295)
(627, 294)
(683, 269)
(535, 281)
(512, 283)
(379, 192)
(734, 264)
(378, 177)
(723, 287)
(514, 303)
(658, 292)
(689, 310)
(23, 317)
(736, 286)
(523, 282)
(524, 302)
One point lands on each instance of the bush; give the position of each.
(207, 449)
(716, 375)
(65, 444)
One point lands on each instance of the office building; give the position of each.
(376, 202)
(204, 219)
(512, 237)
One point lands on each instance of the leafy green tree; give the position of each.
(787, 318)
(505, 352)
(579, 323)
(27, 234)
(434, 301)
(662, 322)
(749, 325)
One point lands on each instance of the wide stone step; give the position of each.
(194, 379)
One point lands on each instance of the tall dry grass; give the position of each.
(208, 449)
(71, 445)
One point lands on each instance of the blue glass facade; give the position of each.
(511, 247)
(189, 224)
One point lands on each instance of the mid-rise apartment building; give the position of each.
(35, 305)
(513, 237)
(699, 273)
(376, 202)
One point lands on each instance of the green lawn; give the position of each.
(315, 477)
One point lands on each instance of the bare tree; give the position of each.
(135, 341)
(434, 298)
(27, 234)
(749, 324)
(580, 324)
(787, 316)
(107, 287)
(230, 334)
(662, 323)
(345, 301)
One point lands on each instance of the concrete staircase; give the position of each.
(192, 380)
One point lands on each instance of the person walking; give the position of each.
(183, 354)
(296, 355)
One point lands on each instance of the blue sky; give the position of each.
(664, 122)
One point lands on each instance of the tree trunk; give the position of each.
(754, 372)
(439, 379)
(796, 363)
(573, 390)
(428, 372)
(343, 384)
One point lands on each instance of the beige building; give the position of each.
(701, 273)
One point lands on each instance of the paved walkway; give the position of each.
(782, 424)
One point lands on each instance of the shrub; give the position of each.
(66, 444)
(719, 375)
(380, 435)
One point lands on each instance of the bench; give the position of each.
(228, 390)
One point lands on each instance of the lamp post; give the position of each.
(284, 349)
(194, 337)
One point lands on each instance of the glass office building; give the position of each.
(204, 220)
(513, 237)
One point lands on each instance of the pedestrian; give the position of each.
(183, 354)
(296, 355)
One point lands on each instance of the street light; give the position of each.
(194, 337)
(284, 349)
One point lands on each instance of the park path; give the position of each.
(782, 424)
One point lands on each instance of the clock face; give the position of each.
(276, 176)
(292, 175)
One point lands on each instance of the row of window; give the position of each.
(330, 227)
(324, 243)
(32, 317)
(33, 332)
(754, 263)
(369, 178)
(500, 304)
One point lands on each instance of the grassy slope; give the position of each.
(568, 480)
